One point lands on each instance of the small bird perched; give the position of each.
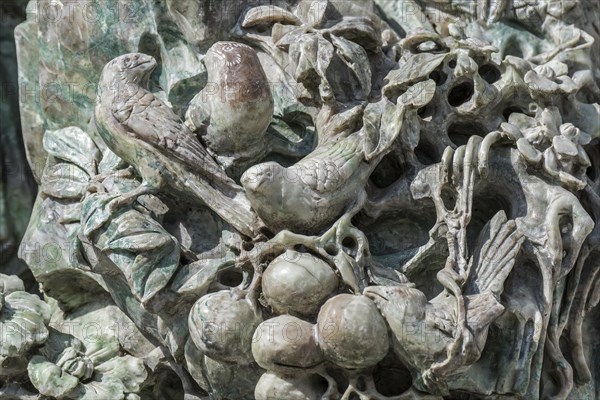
(427, 335)
(234, 110)
(149, 136)
(307, 196)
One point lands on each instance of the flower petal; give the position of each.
(49, 379)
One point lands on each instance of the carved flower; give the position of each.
(23, 320)
(67, 369)
(566, 159)
(549, 79)
(559, 145)
(539, 130)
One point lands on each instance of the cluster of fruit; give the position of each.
(311, 327)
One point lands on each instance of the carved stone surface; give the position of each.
(298, 199)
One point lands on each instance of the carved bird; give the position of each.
(425, 332)
(307, 196)
(148, 135)
(232, 113)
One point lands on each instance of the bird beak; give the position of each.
(147, 63)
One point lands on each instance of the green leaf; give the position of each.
(419, 94)
(415, 69)
(356, 59)
(360, 30)
(73, 145)
(146, 254)
(201, 274)
(268, 15)
(64, 181)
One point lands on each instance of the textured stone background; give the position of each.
(17, 186)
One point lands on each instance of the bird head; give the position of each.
(262, 180)
(132, 68)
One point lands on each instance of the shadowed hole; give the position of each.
(360, 384)
(426, 153)
(448, 197)
(387, 172)
(392, 381)
(459, 132)
(425, 112)
(349, 242)
(489, 73)
(331, 249)
(149, 44)
(512, 109)
(231, 278)
(439, 77)
(300, 248)
(593, 150)
(460, 94)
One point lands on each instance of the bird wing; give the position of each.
(156, 124)
(442, 316)
(499, 244)
(481, 310)
(330, 165)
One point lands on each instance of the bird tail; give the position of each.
(498, 245)
(229, 201)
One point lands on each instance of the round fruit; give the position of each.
(298, 283)
(271, 386)
(287, 345)
(352, 332)
(221, 326)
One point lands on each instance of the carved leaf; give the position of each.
(201, 274)
(415, 68)
(139, 246)
(73, 145)
(361, 30)
(64, 181)
(303, 57)
(419, 94)
(356, 59)
(264, 15)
